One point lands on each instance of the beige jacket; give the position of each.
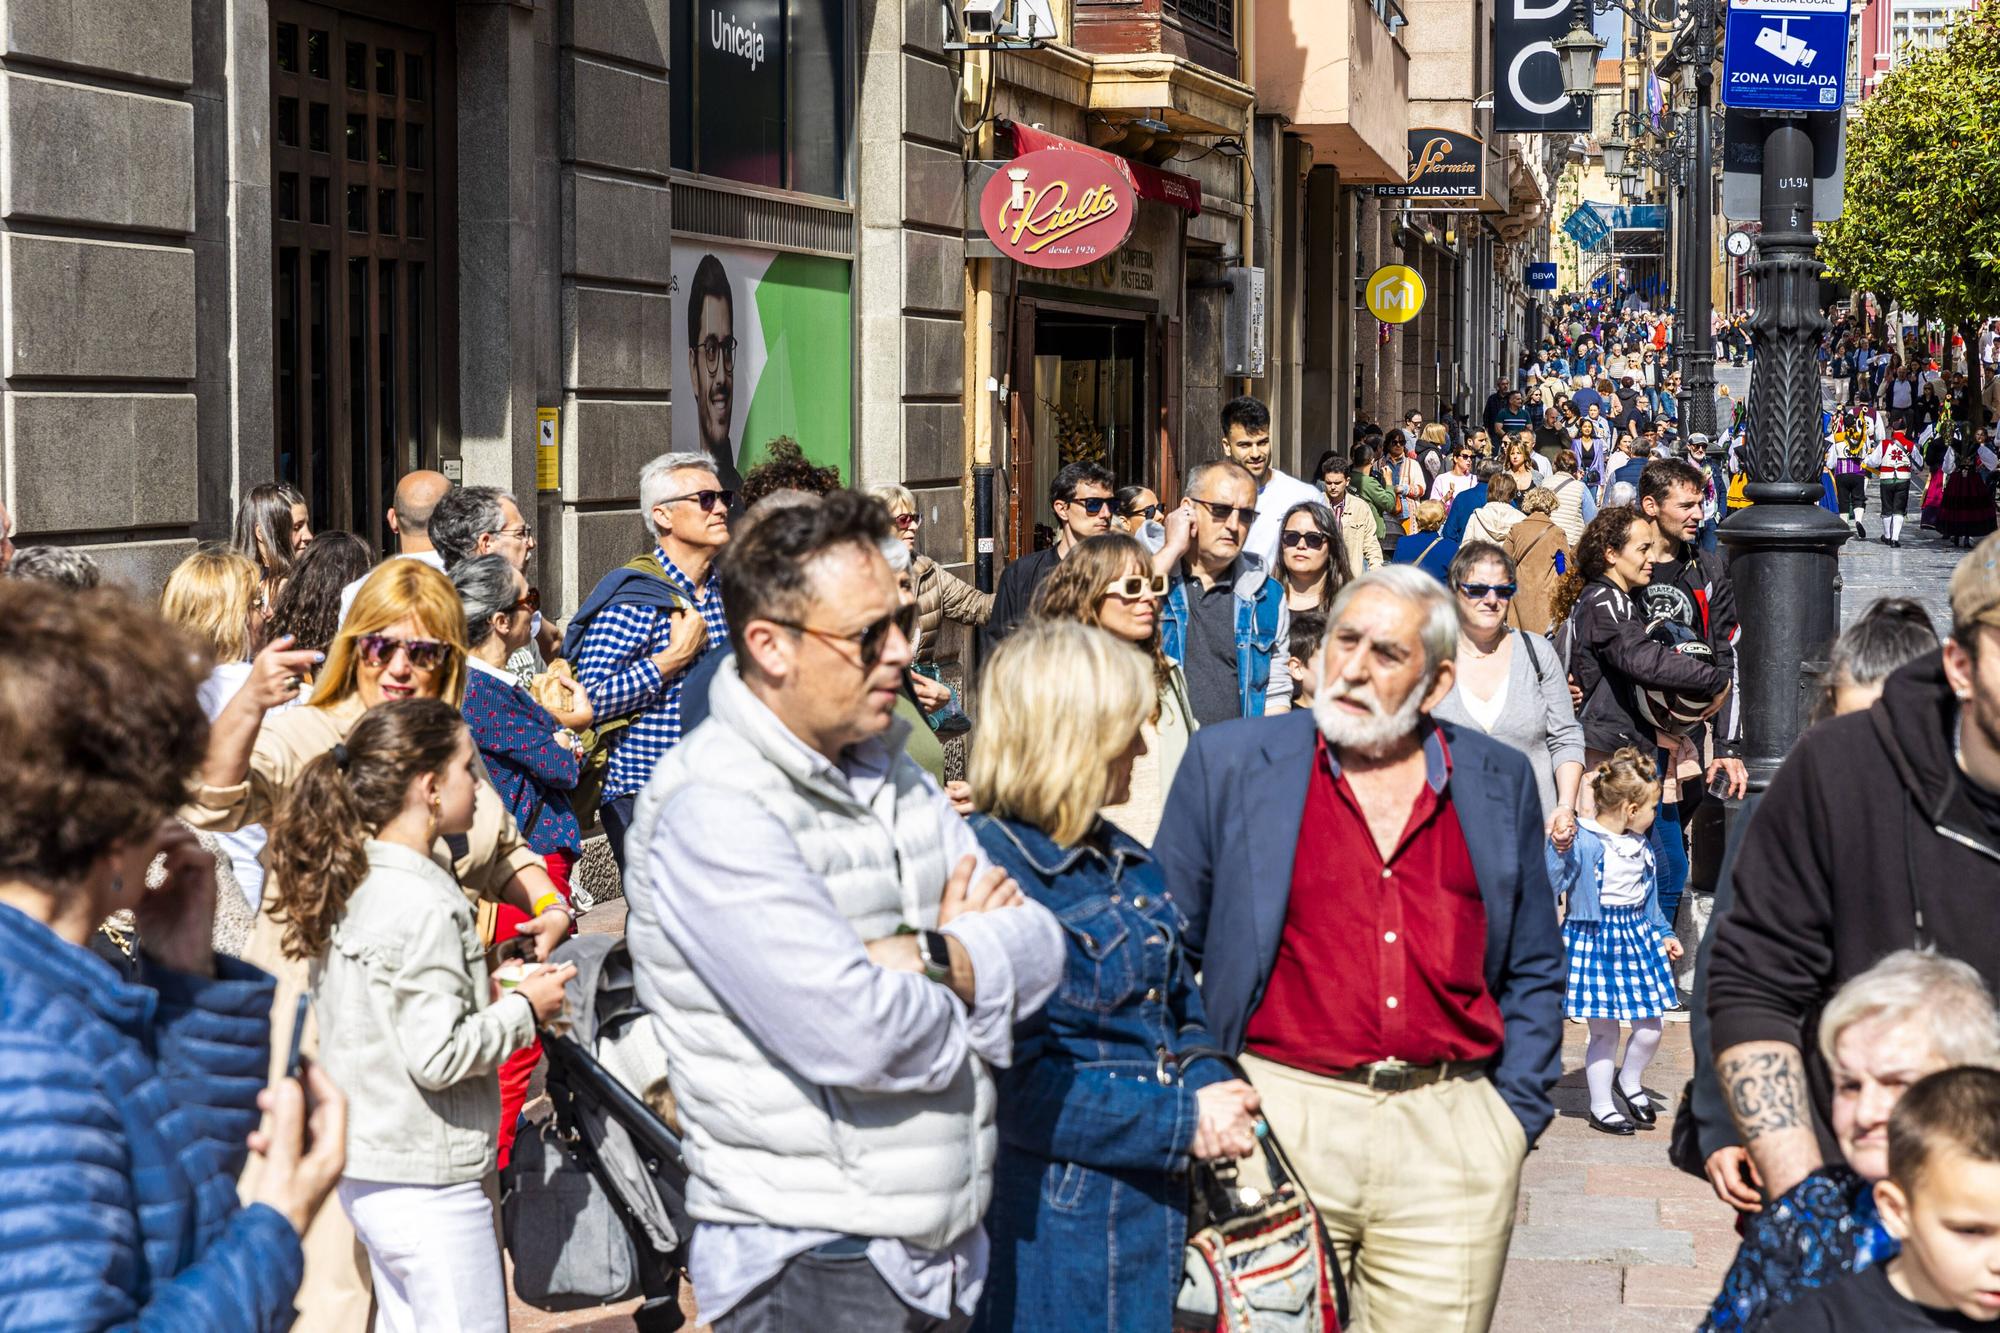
(1357, 534)
(943, 596)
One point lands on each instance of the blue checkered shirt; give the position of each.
(615, 666)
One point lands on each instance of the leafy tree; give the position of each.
(1918, 225)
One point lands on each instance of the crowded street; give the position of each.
(999, 666)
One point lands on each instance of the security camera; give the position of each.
(982, 18)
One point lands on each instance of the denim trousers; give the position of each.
(831, 1293)
(616, 817)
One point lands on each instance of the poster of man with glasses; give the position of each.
(767, 355)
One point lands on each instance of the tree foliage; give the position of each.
(1920, 225)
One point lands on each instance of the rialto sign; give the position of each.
(1444, 165)
(1054, 208)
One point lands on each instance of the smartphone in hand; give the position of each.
(295, 1062)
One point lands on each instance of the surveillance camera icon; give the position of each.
(1780, 43)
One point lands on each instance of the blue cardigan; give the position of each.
(1579, 872)
(1231, 829)
(123, 1113)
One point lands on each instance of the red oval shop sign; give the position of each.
(1054, 208)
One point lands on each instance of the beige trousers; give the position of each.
(1417, 1189)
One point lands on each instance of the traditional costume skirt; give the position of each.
(1617, 967)
(1968, 505)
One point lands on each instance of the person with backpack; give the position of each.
(643, 628)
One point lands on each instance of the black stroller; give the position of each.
(594, 1201)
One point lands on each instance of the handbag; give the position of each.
(1257, 1262)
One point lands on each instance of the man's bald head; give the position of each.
(417, 494)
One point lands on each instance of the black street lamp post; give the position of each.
(1784, 549)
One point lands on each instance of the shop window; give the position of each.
(362, 310)
(778, 73)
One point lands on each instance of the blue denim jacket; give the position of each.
(1260, 628)
(1579, 872)
(1096, 1114)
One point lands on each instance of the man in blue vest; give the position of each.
(1224, 616)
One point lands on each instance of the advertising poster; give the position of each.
(763, 349)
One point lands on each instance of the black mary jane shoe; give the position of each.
(1615, 1123)
(1640, 1109)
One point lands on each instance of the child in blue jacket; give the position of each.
(1620, 946)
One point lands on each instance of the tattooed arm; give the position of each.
(1765, 1085)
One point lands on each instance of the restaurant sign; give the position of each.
(1444, 164)
(1053, 208)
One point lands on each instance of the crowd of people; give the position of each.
(946, 1038)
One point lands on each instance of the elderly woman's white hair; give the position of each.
(1946, 998)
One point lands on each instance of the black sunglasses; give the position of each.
(871, 639)
(1312, 541)
(1478, 592)
(1144, 511)
(378, 650)
(1094, 505)
(1221, 512)
(706, 499)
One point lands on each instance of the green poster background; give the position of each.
(806, 389)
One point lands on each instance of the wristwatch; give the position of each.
(936, 955)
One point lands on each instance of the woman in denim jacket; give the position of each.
(1105, 1103)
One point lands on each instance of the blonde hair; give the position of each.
(1625, 781)
(209, 596)
(1058, 702)
(1945, 996)
(897, 497)
(1436, 434)
(1429, 515)
(1538, 500)
(398, 590)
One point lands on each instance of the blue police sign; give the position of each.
(1541, 277)
(1785, 55)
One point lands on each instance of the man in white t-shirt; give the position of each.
(417, 494)
(1246, 440)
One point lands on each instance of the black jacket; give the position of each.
(1610, 656)
(1016, 589)
(1694, 589)
(1865, 843)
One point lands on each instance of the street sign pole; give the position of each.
(1784, 550)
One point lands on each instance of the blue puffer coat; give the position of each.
(123, 1113)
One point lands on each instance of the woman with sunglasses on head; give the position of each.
(1312, 559)
(941, 595)
(1109, 582)
(404, 638)
(1512, 686)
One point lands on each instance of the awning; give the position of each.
(1166, 187)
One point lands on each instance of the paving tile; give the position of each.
(1677, 1288)
(1549, 1296)
(1592, 1213)
(1660, 1182)
(1635, 1245)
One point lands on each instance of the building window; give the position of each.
(1216, 17)
(357, 308)
(773, 75)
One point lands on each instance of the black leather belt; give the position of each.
(1401, 1076)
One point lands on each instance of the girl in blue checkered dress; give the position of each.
(1620, 946)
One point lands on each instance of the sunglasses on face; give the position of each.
(706, 499)
(871, 639)
(1222, 513)
(1093, 506)
(1133, 587)
(379, 650)
(1144, 511)
(905, 522)
(531, 600)
(1312, 541)
(1479, 592)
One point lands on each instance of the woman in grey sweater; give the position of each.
(1512, 686)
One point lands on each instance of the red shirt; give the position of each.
(1379, 960)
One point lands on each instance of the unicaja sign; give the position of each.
(1057, 209)
(732, 38)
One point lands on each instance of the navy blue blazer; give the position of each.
(1226, 843)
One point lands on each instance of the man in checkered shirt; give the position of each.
(642, 633)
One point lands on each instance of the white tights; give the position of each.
(1602, 1053)
(1892, 527)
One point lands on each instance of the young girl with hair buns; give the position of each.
(407, 1026)
(1619, 944)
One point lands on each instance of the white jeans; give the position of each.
(433, 1253)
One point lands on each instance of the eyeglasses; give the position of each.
(1221, 512)
(526, 532)
(530, 601)
(1093, 505)
(378, 650)
(1465, 457)
(1479, 592)
(706, 499)
(905, 522)
(714, 348)
(871, 639)
(1136, 586)
(1144, 511)
(1312, 541)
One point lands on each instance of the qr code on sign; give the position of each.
(1828, 96)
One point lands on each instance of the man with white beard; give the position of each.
(1370, 911)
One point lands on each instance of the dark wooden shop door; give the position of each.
(362, 219)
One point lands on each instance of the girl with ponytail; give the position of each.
(402, 996)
